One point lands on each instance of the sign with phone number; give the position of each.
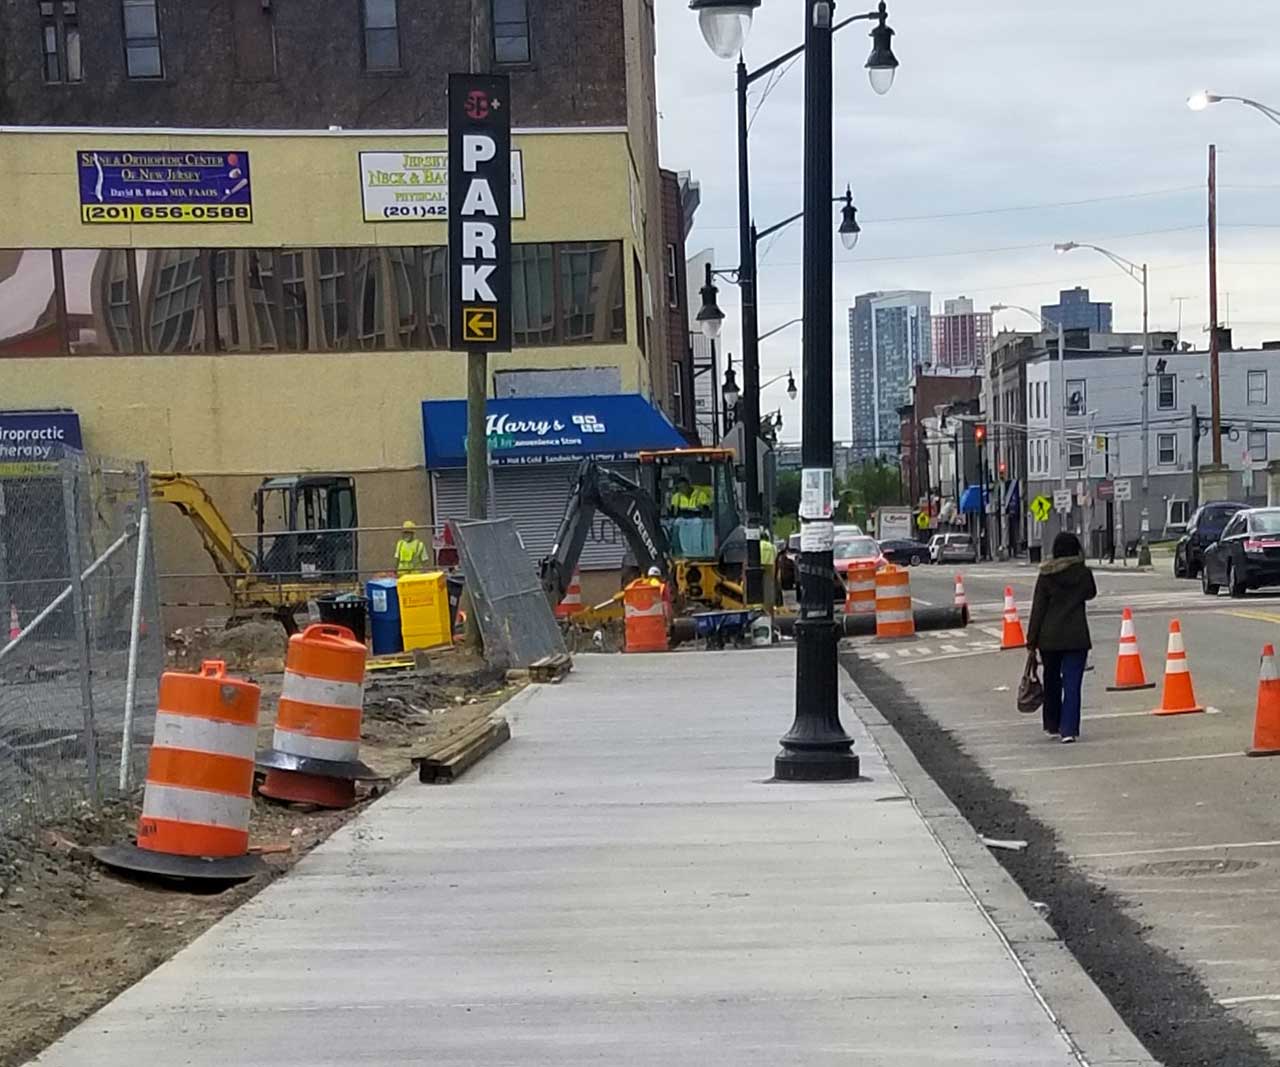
(143, 185)
(166, 213)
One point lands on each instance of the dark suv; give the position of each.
(1204, 529)
(1246, 556)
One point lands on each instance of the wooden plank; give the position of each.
(457, 760)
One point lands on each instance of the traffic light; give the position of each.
(980, 433)
(1004, 468)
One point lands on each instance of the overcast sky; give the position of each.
(999, 105)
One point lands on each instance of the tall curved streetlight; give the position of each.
(816, 748)
(1138, 272)
(1200, 101)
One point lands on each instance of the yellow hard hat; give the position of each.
(408, 525)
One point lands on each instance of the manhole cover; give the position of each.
(1185, 868)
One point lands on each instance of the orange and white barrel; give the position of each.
(645, 616)
(199, 788)
(893, 603)
(860, 589)
(315, 754)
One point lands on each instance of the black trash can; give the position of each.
(1033, 553)
(345, 609)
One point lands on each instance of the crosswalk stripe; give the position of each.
(949, 648)
(991, 631)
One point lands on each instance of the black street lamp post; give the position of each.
(816, 748)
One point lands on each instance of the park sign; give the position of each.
(479, 213)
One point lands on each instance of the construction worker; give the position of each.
(411, 553)
(769, 564)
(694, 529)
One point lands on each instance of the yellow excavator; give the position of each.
(305, 545)
(681, 517)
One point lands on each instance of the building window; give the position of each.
(142, 39)
(511, 31)
(1077, 396)
(381, 35)
(1257, 387)
(673, 286)
(677, 387)
(1178, 513)
(1075, 453)
(1257, 445)
(1166, 449)
(60, 33)
(640, 316)
(173, 299)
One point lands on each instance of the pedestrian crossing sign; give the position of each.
(1040, 507)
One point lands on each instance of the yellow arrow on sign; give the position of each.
(479, 324)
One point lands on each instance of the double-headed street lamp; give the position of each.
(816, 747)
(712, 319)
(1139, 275)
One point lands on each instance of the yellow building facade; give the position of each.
(306, 339)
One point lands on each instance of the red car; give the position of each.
(855, 549)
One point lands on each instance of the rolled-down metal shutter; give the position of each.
(535, 497)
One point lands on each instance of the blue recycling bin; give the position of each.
(384, 616)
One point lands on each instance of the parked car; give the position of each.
(1204, 528)
(855, 549)
(897, 550)
(953, 548)
(1246, 556)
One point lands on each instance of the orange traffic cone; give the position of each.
(960, 600)
(1178, 698)
(1013, 636)
(572, 602)
(1266, 720)
(1129, 672)
(15, 627)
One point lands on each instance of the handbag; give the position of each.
(1030, 691)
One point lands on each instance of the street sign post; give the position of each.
(479, 213)
(1124, 489)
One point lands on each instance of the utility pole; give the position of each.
(478, 361)
(1215, 433)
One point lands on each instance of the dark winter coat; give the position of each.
(1058, 622)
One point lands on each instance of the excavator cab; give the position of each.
(697, 500)
(306, 527)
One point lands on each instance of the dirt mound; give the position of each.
(249, 646)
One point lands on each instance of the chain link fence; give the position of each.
(84, 649)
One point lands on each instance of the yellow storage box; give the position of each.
(424, 610)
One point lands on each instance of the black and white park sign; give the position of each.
(479, 213)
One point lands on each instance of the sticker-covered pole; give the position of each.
(816, 748)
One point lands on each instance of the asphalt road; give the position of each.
(1155, 841)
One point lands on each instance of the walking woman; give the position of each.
(1059, 631)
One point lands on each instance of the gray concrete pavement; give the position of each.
(1165, 811)
(618, 885)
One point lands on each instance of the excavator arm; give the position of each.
(633, 510)
(230, 558)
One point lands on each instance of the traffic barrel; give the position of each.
(893, 604)
(1129, 672)
(1011, 635)
(860, 589)
(960, 600)
(645, 612)
(315, 753)
(1178, 697)
(199, 787)
(1266, 717)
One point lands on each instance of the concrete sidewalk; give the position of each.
(618, 885)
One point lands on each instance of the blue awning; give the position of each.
(972, 500)
(550, 429)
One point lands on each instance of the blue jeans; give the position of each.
(1063, 676)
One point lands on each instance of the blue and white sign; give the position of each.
(149, 185)
(552, 429)
(31, 442)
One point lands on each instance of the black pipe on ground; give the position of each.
(926, 619)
